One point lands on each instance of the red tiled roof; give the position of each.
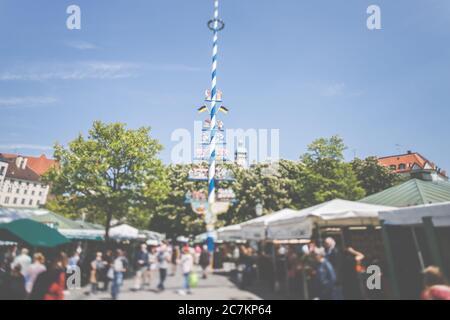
(40, 165)
(409, 159)
(35, 168)
(19, 173)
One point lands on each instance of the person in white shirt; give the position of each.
(119, 267)
(163, 258)
(187, 264)
(24, 260)
(34, 270)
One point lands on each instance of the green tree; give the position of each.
(263, 182)
(326, 175)
(372, 176)
(175, 217)
(111, 174)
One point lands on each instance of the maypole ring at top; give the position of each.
(216, 25)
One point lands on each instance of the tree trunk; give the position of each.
(108, 226)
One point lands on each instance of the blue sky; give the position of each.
(309, 68)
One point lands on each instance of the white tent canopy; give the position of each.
(202, 237)
(255, 229)
(439, 213)
(230, 233)
(124, 231)
(299, 224)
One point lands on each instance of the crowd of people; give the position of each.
(318, 271)
(37, 278)
(24, 277)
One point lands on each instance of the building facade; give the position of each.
(414, 164)
(241, 155)
(20, 180)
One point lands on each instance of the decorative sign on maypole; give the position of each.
(212, 148)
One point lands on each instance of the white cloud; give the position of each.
(81, 45)
(25, 147)
(333, 90)
(73, 71)
(26, 101)
(339, 90)
(99, 70)
(173, 67)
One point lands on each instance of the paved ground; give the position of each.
(216, 287)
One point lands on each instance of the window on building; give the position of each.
(2, 171)
(401, 166)
(15, 201)
(32, 193)
(22, 202)
(6, 200)
(40, 193)
(25, 191)
(17, 190)
(30, 202)
(393, 167)
(9, 189)
(38, 202)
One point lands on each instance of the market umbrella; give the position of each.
(31, 232)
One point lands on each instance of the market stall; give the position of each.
(416, 237)
(255, 229)
(230, 233)
(334, 213)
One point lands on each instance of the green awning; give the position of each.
(412, 193)
(31, 232)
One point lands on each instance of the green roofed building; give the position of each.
(412, 193)
(75, 230)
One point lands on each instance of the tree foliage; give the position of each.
(372, 176)
(111, 174)
(114, 173)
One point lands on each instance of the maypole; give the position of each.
(212, 149)
(215, 25)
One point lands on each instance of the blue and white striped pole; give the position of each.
(213, 110)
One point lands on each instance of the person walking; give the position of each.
(50, 285)
(333, 255)
(24, 260)
(351, 262)
(97, 267)
(163, 258)
(175, 258)
(142, 267)
(152, 263)
(119, 267)
(326, 276)
(204, 261)
(187, 264)
(108, 259)
(34, 270)
(15, 285)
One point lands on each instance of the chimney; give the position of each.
(409, 152)
(19, 161)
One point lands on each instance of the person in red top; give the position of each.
(435, 285)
